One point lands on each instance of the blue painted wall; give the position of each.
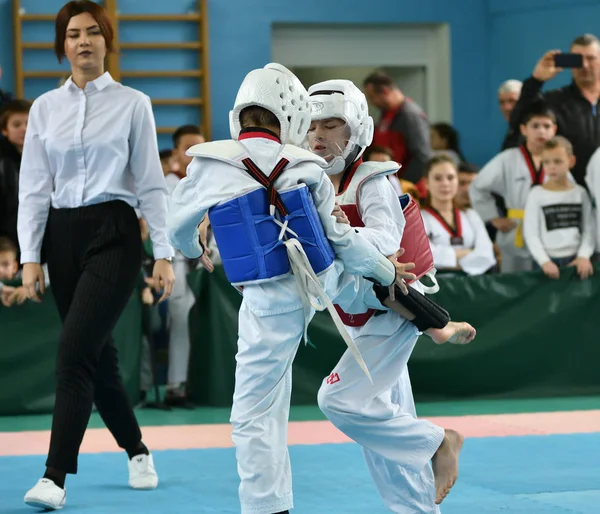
(491, 40)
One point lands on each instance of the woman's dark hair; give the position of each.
(75, 8)
(438, 159)
(450, 135)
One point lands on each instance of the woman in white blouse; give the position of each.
(90, 158)
(459, 240)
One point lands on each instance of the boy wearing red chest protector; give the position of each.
(413, 462)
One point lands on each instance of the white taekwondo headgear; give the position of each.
(342, 99)
(278, 90)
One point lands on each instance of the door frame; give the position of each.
(384, 45)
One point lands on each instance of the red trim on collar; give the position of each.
(455, 231)
(348, 175)
(178, 174)
(252, 135)
(537, 175)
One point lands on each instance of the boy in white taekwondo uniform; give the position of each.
(398, 447)
(270, 206)
(511, 175)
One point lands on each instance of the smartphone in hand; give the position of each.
(568, 60)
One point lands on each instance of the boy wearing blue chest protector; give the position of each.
(269, 204)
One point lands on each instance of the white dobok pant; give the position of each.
(397, 446)
(271, 326)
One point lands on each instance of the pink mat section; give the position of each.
(309, 432)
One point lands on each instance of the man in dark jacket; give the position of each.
(575, 105)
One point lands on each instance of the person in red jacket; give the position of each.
(403, 126)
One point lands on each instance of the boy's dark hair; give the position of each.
(7, 245)
(255, 116)
(559, 142)
(185, 130)
(11, 108)
(377, 149)
(379, 80)
(538, 110)
(165, 154)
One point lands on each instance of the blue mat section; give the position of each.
(516, 475)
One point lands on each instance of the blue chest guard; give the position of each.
(266, 234)
(250, 234)
(304, 221)
(250, 238)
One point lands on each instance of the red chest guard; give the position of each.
(414, 239)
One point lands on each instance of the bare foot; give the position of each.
(445, 464)
(454, 333)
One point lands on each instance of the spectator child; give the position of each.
(559, 225)
(458, 237)
(13, 123)
(510, 175)
(9, 268)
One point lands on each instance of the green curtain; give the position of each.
(28, 341)
(535, 337)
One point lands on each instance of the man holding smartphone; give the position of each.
(575, 105)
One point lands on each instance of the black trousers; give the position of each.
(94, 259)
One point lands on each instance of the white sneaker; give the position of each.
(142, 474)
(46, 495)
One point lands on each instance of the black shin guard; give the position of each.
(427, 314)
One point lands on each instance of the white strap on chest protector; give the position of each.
(313, 296)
